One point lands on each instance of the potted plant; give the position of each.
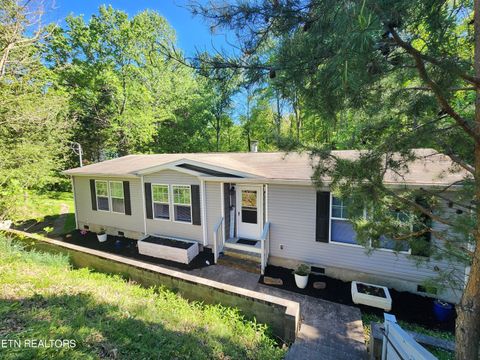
(301, 275)
(102, 235)
(442, 310)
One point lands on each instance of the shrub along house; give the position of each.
(259, 207)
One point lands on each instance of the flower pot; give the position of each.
(442, 310)
(118, 245)
(301, 281)
(102, 237)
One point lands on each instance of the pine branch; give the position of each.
(418, 207)
(418, 57)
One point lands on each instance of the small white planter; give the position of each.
(380, 302)
(5, 225)
(102, 237)
(301, 281)
(169, 252)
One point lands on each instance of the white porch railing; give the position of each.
(399, 345)
(218, 239)
(265, 246)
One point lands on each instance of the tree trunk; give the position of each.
(467, 331)
(217, 134)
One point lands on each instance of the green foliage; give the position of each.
(352, 77)
(33, 124)
(108, 316)
(302, 270)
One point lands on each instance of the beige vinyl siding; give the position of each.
(214, 207)
(85, 214)
(170, 227)
(292, 212)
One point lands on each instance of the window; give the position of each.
(102, 195)
(249, 206)
(182, 207)
(397, 245)
(161, 202)
(117, 196)
(341, 228)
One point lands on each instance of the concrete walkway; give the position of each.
(328, 330)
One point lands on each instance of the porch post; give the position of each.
(222, 201)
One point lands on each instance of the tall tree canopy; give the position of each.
(33, 126)
(127, 94)
(384, 76)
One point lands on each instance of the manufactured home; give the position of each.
(259, 204)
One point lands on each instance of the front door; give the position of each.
(249, 211)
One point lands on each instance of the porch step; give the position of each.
(240, 264)
(242, 254)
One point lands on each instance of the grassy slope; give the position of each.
(40, 211)
(41, 297)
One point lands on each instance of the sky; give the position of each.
(192, 32)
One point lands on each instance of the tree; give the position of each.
(124, 87)
(223, 84)
(388, 76)
(33, 128)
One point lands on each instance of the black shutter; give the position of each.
(323, 216)
(93, 194)
(126, 195)
(420, 245)
(148, 200)
(196, 213)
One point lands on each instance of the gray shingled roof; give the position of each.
(432, 168)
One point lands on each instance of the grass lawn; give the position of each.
(439, 353)
(49, 212)
(42, 297)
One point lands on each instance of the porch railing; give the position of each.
(218, 239)
(265, 246)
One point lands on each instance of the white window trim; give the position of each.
(169, 203)
(108, 195)
(330, 241)
(115, 197)
(173, 204)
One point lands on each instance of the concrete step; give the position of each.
(241, 254)
(240, 264)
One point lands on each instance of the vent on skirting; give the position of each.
(318, 270)
(429, 290)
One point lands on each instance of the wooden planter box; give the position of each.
(371, 295)
(181, 251)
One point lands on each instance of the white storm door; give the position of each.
(249, 211)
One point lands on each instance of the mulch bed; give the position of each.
(168, 242)
(406, 306)
(128, 247)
